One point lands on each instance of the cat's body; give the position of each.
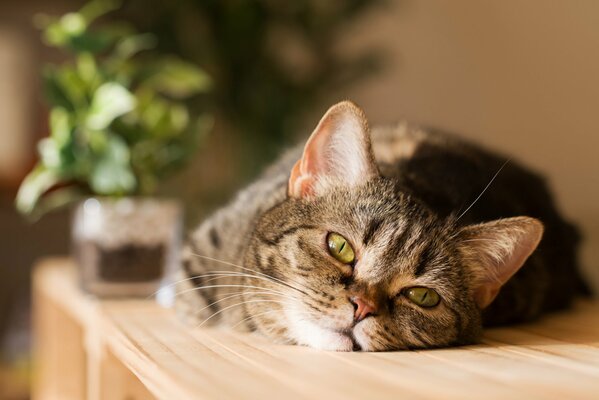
(400, 207)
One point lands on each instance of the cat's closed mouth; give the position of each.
(349, 333)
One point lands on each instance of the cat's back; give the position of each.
(448, 173)
(455, 177)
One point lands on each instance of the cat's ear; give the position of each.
(337, 153)
(496, 250)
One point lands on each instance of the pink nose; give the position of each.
(363, 308)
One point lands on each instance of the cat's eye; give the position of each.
(422, 296)
(340, 248)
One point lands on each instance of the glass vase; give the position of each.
(126, 247)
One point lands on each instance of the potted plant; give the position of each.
(119, 126)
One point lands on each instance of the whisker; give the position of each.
(251, 270)
(222, 274)
(237, 305)
(177, 282)
(253, 316)
(236, 295)
(211, 273)
(308, 312)
(485, 189)
(290, 297)
(223, 286)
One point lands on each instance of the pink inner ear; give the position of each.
(338, 151)
(299, 184)
(306, 169)
(503, 248)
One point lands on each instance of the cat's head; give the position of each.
(367, 266)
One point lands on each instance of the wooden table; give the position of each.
(135, 349)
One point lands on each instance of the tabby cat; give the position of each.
(399, 238)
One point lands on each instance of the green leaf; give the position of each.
(65, 88)
(100, 39)
(73, 24)
(54, 92)
(117, 150)
(96, 8)
(110, 101)
(40, 180)
(178, 117)
(131, 45)
(59, 151)
(49, 153)
(57, 199)
(87, 69)
(60, 126)
(54, 35)
(60, 32)
(178, 78)
(71, 30)
(91, 42)
(112, 174)
(110, 178)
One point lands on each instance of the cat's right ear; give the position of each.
(337, 153)
(495, 251)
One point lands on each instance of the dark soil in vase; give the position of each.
(131, 263)
(126, 247)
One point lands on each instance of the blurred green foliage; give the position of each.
(119, 124)
(272, 61)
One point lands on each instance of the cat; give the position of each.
(399, 238)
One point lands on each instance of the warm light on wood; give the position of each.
(135, 349)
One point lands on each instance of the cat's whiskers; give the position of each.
(238, 294)
(290, 297)
(227, 286)
(209, 274)
(254, 271)
(306, 312)
(485, 189)
(223, 274)
(253, 316)
(214, 275)
(237, 305)
(286, 284)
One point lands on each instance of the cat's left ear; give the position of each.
(337, 153)
(496, 250)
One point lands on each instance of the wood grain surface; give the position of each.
(135, 349)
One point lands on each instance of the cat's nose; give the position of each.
(363, 308)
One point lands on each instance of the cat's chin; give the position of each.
(322, 334)
(334, 341)
(328, 340)
(310, 334)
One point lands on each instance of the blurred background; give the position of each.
(520, 77)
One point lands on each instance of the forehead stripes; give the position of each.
(407, 245)
(373, 226)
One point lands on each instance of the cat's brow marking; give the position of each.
(372, 228)
(214, 238)
(277, 239)
(424, 259)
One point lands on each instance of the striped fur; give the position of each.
(403, 226)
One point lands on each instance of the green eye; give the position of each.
(340, 248)
(423, 297)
